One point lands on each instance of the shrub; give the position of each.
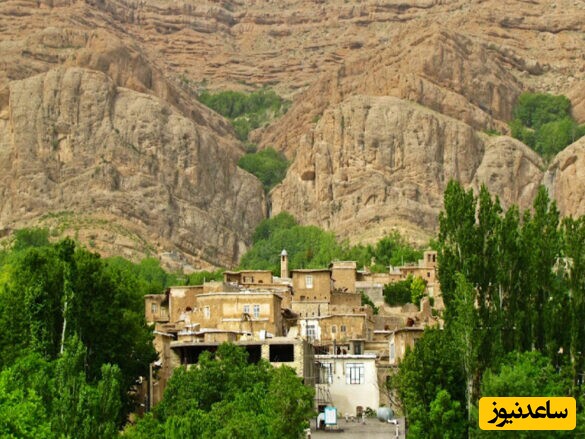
(398, 293)
(544, 122)
(246, 111)
(267, 165)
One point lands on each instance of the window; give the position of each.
(357, 348)
(326, 373)
(311, 332)
(392, 351)
(343, 328)
(309, 281)
(206, 312)
(246, 309)
(333, 329)
(354, 373)
(153, 308)
(256, 311)
(284, 353)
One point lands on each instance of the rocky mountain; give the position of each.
(373, 164)
(101, 134)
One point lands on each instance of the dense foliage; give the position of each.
(431, 381)
(78, 320)
(409, 290)
(247, 111)
(55, 399)
(391, 250)
(227, 397)
(544, 122)
(267, 165)
(312, 247)
(398, 293)
(307, 246)
(514, 289)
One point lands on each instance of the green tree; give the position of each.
(574, 233)
(398, 293)
(25, 396)
(227, 397)
(53, 399)
(50, 294)
(544, 122)
(307, 247)
(200, 277)
(523, 374)
(80, 409)
(267, 165)
(446, 418)
(246, 111)
(432, 368)
(268, 227)
(35, 237)
(466, 332)
(417, 289)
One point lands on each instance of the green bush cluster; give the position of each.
(246, 111)
(398, 293)
(227, 396)
(267, 165)
(307, 246)
(73, 338)
(391, 250)
(312, 247)
(544, 122)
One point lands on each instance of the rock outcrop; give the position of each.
(565, 179)
(373, 164)
(72, 141)
(390, 100)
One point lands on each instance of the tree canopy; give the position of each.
(267, 165)
(79, 318)
(544, 122)
(246, 111)
(312, 247)
(225, 396)
(513, 285)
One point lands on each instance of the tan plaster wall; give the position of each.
(321, 285)
(161, 314)
(345, 277)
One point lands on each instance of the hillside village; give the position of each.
(310, 319)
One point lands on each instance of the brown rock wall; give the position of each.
(70, 140)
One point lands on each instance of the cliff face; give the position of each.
(102, 136)
(565, 179)
(71, 141)
(373, 164)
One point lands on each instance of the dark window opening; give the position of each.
(321, 350)
(282, 353)
(254, 353)
(190, 354)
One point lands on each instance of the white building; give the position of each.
(350, 380)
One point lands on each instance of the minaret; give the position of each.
(283, 264)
